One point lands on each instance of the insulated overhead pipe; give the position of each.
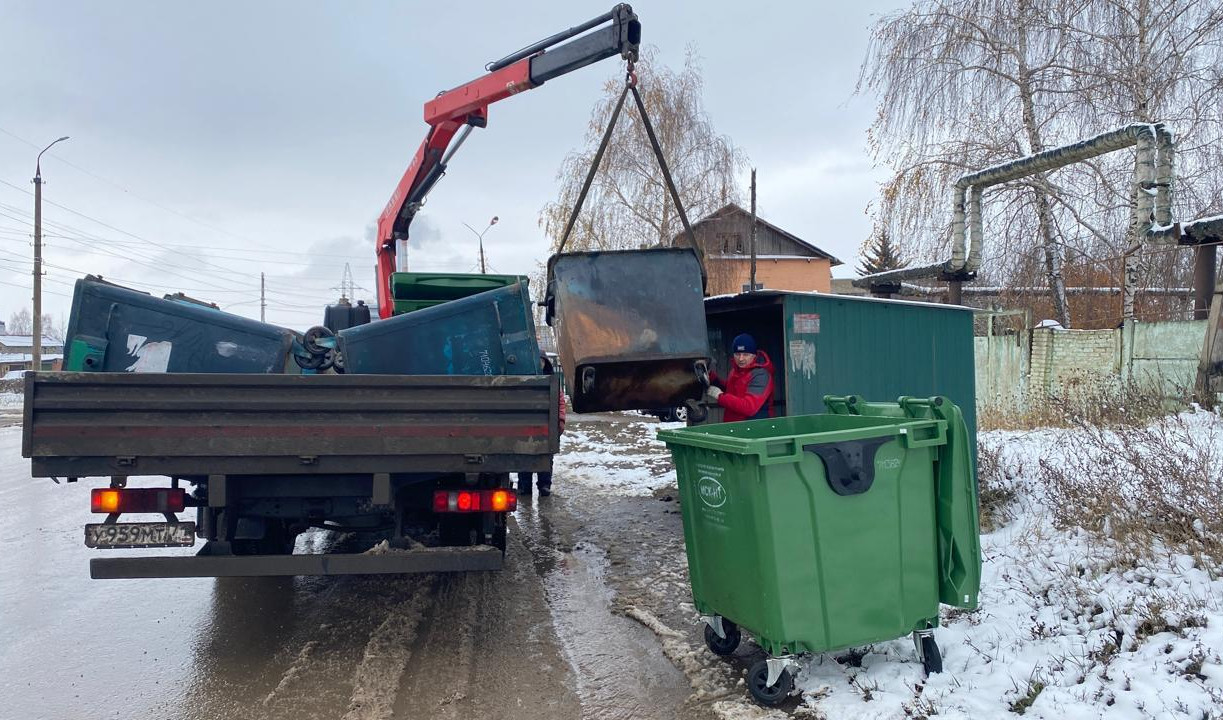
(1152, 192)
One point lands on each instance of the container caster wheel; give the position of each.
(726, 643)
(931, 658)
(927, 651)
(758, 683)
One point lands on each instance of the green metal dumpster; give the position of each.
(821, 532)
(415, 291)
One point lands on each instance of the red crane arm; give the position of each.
(468, 105)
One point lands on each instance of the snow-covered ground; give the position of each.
(1071, 624)
(616, 458)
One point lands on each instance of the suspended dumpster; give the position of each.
(821, 532)
(630, 327)
(491, 333)
(115, 329)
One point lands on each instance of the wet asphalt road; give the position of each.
(547, 637)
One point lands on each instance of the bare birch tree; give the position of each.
(20, 322)
(628, 206)
(963, 84)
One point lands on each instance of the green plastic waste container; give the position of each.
(821, 532)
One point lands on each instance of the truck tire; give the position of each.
(499, 536)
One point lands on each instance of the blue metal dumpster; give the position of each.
(491, 333)
(115, 329)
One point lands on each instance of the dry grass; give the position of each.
(995, 490)
(1122, 404)
(1137, 483)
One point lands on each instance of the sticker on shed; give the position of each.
(806, 323)
(802, 357)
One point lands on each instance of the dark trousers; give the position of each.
(544, 482)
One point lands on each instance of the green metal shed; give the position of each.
(837, 344)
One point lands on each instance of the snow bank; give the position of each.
(1069, 625)
(615, 458)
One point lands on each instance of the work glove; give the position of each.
(713, 393)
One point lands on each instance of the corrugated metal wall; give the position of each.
(878, 350)
(836, 345)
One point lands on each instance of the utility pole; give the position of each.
(263, 299)
(36, 359)
(751, 287)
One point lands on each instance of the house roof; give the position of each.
(25, 357)
(731, 208)
(26, 341)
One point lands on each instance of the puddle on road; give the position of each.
(620, 669)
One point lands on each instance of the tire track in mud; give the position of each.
(375, 682)
(447, 637)
(326, 656)
(487, 649)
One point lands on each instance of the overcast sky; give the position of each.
(214, 141)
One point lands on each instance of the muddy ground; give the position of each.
(590, 618)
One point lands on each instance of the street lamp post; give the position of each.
(480, 235)
(36, 363)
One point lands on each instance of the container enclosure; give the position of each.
(630, 327)
(115, 329)
(834, 344)
(492, 333)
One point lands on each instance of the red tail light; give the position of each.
(474, 501)
(137, 500)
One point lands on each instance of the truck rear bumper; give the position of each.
(445, 559)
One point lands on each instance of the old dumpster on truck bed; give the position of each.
(824, 344)
(489, 333)
(116, 329)
(414, 291)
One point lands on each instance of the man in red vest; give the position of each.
(748, 393)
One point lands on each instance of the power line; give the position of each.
(170, 268)
(154, 203)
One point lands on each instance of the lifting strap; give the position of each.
(630, 85)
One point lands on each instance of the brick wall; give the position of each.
(1069, 362)
(803, 274)
(1161, 357)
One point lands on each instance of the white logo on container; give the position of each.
(711, 491)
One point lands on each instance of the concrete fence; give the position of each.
(1020, 372)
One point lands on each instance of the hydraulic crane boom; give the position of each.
(466, 107)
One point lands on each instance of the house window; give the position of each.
(730, 242)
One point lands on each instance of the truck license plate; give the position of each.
(139, 535)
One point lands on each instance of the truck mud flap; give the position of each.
(448, 559)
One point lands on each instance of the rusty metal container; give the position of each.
(630, 327)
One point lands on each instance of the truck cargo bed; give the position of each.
(105, 424)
